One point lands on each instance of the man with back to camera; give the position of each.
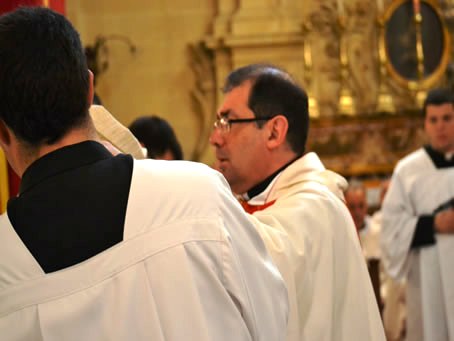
(103, 247)
(296, 205)
(418, 225)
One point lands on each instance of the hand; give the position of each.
(444, 221)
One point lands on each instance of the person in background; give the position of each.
(158, 137)
(376, 218)
(356, 200)
(417, 235)
(296, 205)
(103, 247)
(392, 291)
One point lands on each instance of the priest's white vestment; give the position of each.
(313, 241)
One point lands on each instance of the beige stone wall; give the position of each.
(157, 78)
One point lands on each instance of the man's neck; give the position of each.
(445, 151)
(262, 185)
(76, 135)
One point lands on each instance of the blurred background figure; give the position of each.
(356, 200)
(392, 291)
(377, 216)
(157, 136)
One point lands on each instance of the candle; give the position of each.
(380, 6)
(340, 7)
(416, 6)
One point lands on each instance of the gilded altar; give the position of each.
(366, 67)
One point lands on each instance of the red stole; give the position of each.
(254, 208)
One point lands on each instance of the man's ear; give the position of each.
(5, 135)
(91, 88)
(277, 131)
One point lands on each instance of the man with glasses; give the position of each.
(296, 205)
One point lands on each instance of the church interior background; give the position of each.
(366, 65)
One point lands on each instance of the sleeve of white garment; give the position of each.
(288, 249)
(398, 228)
(266, 315)
(237, 285)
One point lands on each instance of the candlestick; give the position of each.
(340, 7)
(380, 6)
(417, 6)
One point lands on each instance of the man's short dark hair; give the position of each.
(438, 96)
(157, 136)
(44, 79)
(273, 93)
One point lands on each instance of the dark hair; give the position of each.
(438, 96)
(44, 76)
(273, 93)
(157, 136)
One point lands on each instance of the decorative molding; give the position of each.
(203, 95)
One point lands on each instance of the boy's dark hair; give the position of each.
(438, 96)
(44, 76)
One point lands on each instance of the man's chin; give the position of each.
(441, 147)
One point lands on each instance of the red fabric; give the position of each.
(14, 182)
(254, 208)
(9, 5)
(57, 5)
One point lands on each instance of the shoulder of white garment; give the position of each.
(309, 169)
(189, 172)
(408, 163)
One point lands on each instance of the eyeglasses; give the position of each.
(224, 124)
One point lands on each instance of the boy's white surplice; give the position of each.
(191, 267)
(418, 188)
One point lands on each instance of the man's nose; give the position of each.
(216, 138)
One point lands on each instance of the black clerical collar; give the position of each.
(259, 188)
(438, 158)
(61, 160)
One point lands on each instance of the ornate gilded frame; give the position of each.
(427, 81)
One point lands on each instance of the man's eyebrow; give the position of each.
(224, 113)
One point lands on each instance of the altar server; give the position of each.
(418, 225)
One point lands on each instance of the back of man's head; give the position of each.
(274, 92)
(44, 80)
(438, 96)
